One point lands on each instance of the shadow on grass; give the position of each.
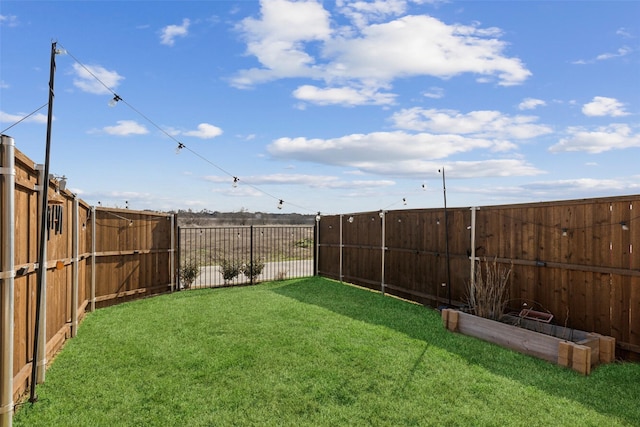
(611, 389)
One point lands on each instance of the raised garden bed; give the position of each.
(572, 348)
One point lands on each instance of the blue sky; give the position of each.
(338, 107)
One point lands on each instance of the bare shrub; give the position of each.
(230, 269)
(189, 272)
(488, 295)
(252, 269)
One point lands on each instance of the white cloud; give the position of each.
(434, 93)
(295, 39)
(14, 118)
(603, 106)
(205, 131)
(588, 185)
(4, 85)
(624, 32)
(531, 104)
(376, 147)
(9, 20)
(170, 32)
(347, 96)
(478, 123)
(126, 127)
(612, 137)
(277, 40)
(361, 13)
(422, 45)
(401, 154)
(94, 78)
(420, 169)
(623, 51)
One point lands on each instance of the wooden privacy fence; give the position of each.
(574, 259)
(94, 257)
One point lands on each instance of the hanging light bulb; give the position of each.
(280, 203)
(235, 181)
(180, 147)
(115, 100)
(404, 201)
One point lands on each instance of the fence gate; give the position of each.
(227, 256)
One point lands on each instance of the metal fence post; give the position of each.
(316, 246)
(179, 254)
(74, 262)
(93, 258)
(251, 266)
(7, 273)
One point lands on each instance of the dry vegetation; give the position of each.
(488, 294)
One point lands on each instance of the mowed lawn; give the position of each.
(309, 352)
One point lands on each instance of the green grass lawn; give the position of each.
(309, 352)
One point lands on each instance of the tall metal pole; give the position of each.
(42, 263)
(446, 236)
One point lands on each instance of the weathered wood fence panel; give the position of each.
(573, 258)
(95, 257)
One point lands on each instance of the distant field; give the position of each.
(208, 246)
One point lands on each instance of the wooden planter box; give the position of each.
(574, 349)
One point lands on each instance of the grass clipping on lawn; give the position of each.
(308, 352)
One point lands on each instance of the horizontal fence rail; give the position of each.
(577, 260)
(223, 255)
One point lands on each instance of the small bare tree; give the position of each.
(189, 273)
(488, 294)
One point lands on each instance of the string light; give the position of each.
(403, 201)
(179, 147)
(235, 181)
(280, 203)
(115, 100)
